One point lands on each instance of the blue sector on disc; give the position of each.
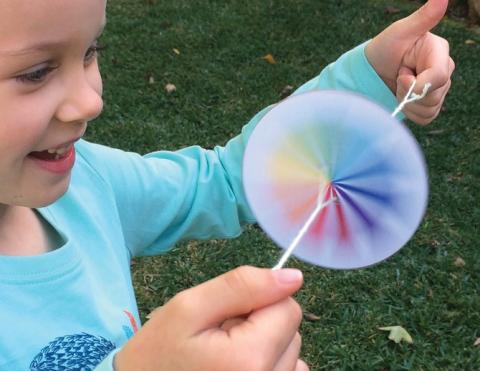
(327, 144)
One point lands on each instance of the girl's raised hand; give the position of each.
(406, 50)
(242, 320)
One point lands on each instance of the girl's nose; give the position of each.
(82, 99)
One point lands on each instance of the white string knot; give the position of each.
(411, 97)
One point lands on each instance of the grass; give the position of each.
(221, 82)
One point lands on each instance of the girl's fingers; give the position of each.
(426, 112)
(301, 366)
(270, 330)
(427, 109)
(432, 98)
(289, 359)
(231, 295)
(232, 322)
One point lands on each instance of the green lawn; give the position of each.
(221, 82)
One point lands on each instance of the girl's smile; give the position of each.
(56, 160)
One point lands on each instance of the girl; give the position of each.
(73, 214)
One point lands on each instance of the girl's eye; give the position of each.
(36, 76)
(39, 75)
(92, 52)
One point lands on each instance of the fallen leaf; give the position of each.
(469, 42)
(151, 80)
(170, 88)
(311, 316)
(269, 58)
(477, 343)
(459, 262)
(436, 132)
(176, 51)
(397, 334)
(391, 10)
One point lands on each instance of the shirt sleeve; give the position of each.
(164, 197)
(353, 72)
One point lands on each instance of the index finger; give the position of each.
(434, 66)
(232, 294)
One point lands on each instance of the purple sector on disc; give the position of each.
(328, 144)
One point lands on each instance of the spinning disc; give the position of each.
(325, 145)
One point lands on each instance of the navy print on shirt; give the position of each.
(81, 352)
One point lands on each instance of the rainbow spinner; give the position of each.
(325, 145)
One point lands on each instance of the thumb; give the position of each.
(422, 20)
(232, 294)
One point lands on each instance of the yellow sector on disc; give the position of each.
(288, 170)
(297, 163)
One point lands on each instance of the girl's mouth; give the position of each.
(50, 154)
(58, 160)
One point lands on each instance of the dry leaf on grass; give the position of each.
(436, 132)
(469, 42)
(391, 10)
(176, 51)
(311, 316)
(477, 343)
(269, 58)
(459, 262)
(397, 334)
(170, 88)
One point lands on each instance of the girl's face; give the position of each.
(50, 87)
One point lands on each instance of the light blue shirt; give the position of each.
(75, 306)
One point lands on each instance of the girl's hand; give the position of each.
(242, 320)
(407, 50)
